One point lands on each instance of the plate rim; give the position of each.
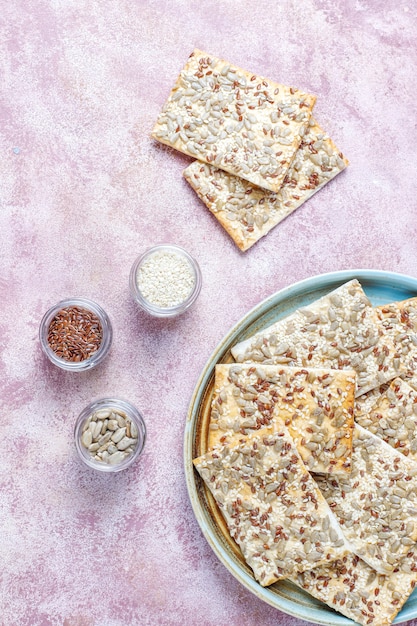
(386, 278)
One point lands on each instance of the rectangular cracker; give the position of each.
(393, 418)
(273, 508)
(337, 331)
(376, 504)
(367, 401)
(399, 321)
(247, 212)
(316, 405)
(242, 123)
(353, 588)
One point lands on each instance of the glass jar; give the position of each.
(99, 417)
(179, 279)
(76, 364)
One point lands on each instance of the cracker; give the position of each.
(353, 588)
(337, 331)
(316, 405)
(242, 123)
(399, 321)
(246, 212)
(376, 504)
(272, 506)
(367, 401)
(393, 418)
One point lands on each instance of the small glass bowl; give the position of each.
(154, 309)
(128, 410)
(106, 341)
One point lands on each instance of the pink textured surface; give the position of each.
(83, 191)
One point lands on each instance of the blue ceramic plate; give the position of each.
(381, 288)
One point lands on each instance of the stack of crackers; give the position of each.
(259, 152)
(312, 456)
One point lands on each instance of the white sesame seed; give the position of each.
(165, 279)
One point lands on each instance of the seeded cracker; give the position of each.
(399, 321)
(272, 506)
(394, 418)
(338, 331)
(376, 504)
(246, 212)
(315, 404)
(367, 401)
(242, 123)
(354, 589)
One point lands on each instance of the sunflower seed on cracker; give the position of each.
(235, 120)
(376, 503)
(337, 331)
(272, 506)
(247, 212)
(316, 405)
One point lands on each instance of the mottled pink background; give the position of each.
(83, 191)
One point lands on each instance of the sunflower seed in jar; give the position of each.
(109, 436)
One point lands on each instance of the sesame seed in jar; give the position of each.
(165, 280)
